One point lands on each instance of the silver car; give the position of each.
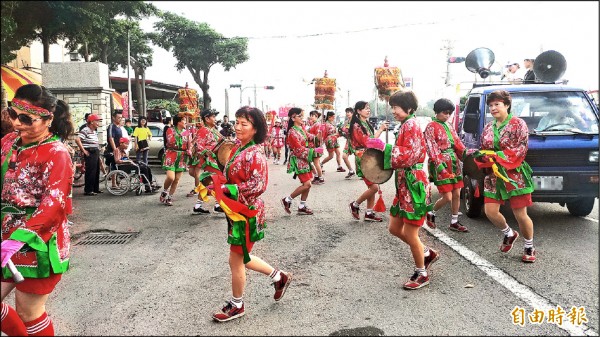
(156, 143)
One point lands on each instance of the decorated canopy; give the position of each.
(13, 79)
(324, 92)
(388, 80)
(188, 102)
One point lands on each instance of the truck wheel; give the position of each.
(471, 205)
(581, 207)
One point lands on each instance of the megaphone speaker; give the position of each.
(479, 61)
(549, 66)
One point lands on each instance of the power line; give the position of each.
(429, 23)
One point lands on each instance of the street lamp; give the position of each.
(266, 87)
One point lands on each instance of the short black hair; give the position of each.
(443, 104)
(257, 118)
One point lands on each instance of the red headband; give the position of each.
(32, 109)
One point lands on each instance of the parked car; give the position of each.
(563, 156)
(156, 144)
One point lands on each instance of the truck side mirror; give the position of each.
(471, 124)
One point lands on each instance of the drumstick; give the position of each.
(16, 274)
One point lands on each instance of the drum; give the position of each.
(223, 150)
(470, 168)
(371, 164)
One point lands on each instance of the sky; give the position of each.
(290, 43)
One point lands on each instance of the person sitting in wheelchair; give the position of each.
(123, 163)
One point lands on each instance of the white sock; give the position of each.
(275, 275)
(237, 301)
(355, 204)
(426, 251)
(302, 204)
(508, 231)
(528, 243)
(288, 199)
(454, 218)
(369, 210)
(421, 271)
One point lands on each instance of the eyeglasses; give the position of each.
(23, 118)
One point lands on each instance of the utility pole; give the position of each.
(448, 46)
(255, 103)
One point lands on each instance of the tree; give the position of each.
(197, 47)
(13, 36)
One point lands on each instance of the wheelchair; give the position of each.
(128, 177)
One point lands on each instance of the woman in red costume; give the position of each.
(176, 157)
(299, 163)
(277, 141)
(246, 176)
(37, 173)
(504, 140)
(413, 199)
(360, 132)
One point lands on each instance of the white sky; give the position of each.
(354, 38)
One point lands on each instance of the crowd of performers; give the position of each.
(37, 180)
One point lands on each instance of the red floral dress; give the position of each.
(446, 151)
(36, 188)
(277, 137)
(301, 154)
(205, 141)
(177, 147)
(358, 142)
(314, 133)
(509, 141)
(247, 178)
(331, 140)
(406, 157)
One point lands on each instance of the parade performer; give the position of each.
(246, 177)
(315, 128)
(360, 132)
(176, 156)
(299, 163)
(504, 144)
(205, 143)
(194, 169)
(37, 177)
(446, 154)
(412, 199)
(331, 141)
(277, 141)
(348, 150)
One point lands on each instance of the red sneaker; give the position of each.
(355, 211)
(282, 285)
(229, 312)
(529, 255)
(457, 227)
(508, 241)
(286, 205)
(416, 281)
(430, 220)
(433, 256)
(305, 211)
(373, 217)
(341, 169)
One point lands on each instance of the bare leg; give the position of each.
(369, 196)
(524, 221)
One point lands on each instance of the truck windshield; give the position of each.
(553, 111)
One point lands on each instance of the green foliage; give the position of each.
(170, 105)
(14, 36)
(197, 47)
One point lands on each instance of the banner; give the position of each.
(125, 104)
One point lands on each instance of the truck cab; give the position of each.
(562, 147)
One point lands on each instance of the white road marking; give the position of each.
(520, 290)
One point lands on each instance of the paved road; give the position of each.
(348, 274)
